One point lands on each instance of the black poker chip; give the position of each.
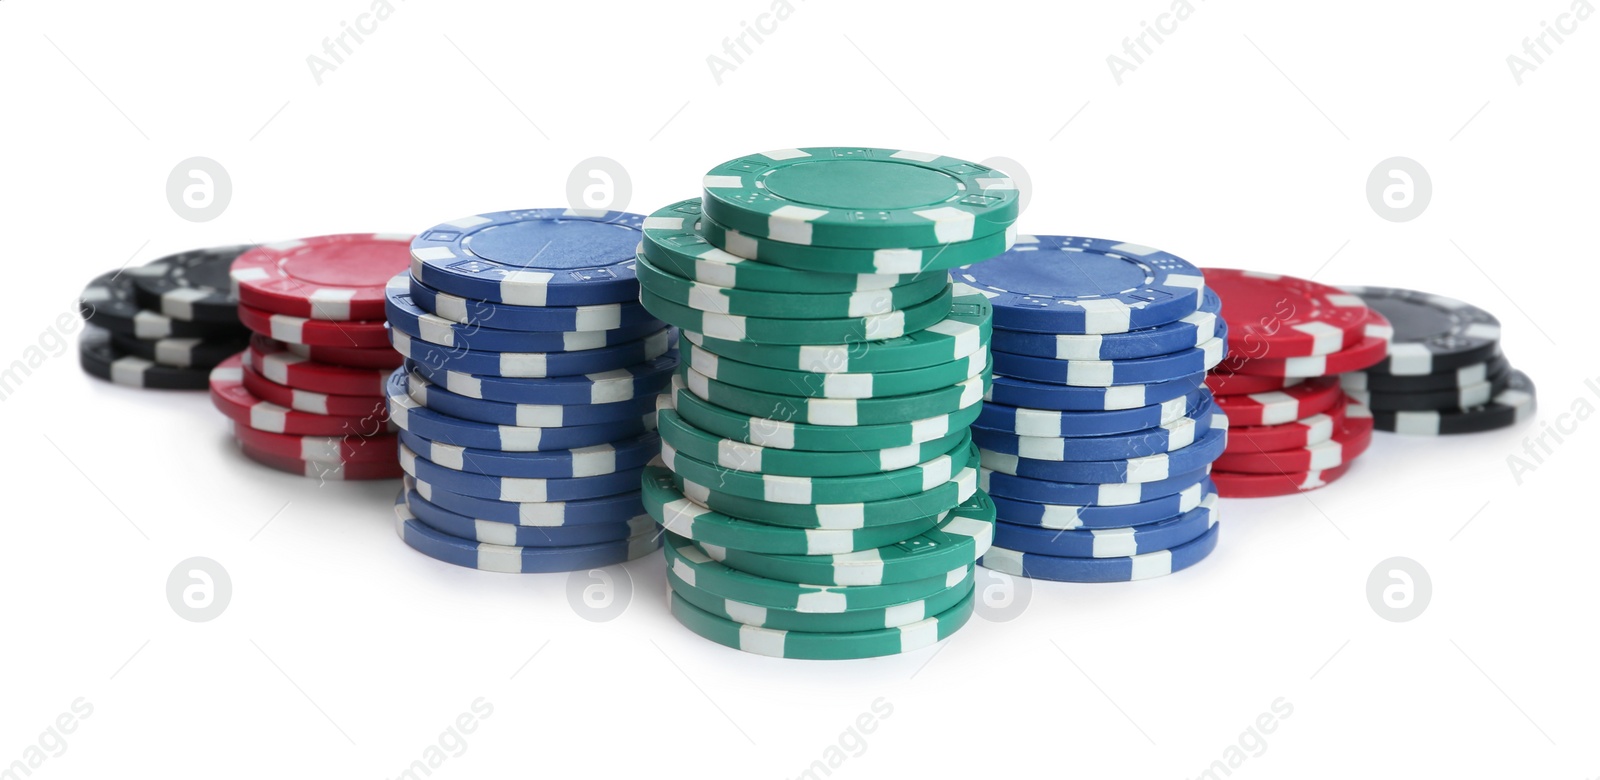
(1432, 333)
(1510, 407)
(102, 358)
(109, 302)
(193, 286)
(180, 353)
(1475, 374)
(1455, 398)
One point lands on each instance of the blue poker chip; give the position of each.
(1168, 437)
(1147, 467)
(517, 560)
(408, 415)
(1066, 398)
(999, 418)
(1184, 333)
(1137, 567)
(516, 489)
(550, 464)
(1041, 491)
(533, 257)
(1060, 517)
(447, 522)
(471, 311)
(646, 379)
(530, 365)
(524, 415)
(1110, 542)
(409, 318)
(605, 510)
(1065, 284)
(1107, 373)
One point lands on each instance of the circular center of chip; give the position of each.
(1413, 320)
(363, 262)
(1063, 274)
(563, 244)
(861, 184)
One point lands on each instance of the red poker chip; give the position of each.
(1349, 440)
(325, 278)
(1276, 407)
(1315, 429)
(320, 333)
(229, 395)
(355, 357)
(322, 449)
(377, 469)
(1371, 351)
(1233, 485)
(1224, 383)
(1278, 317)
(308, 401)
(279, 365)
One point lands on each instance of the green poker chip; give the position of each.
(764, 331)
(673, 243)
(830, 259)
(690, 564)
(964, 330)
(672, 511)
(837, 411)
(860, 197)
(784, 305)
(782, 489)
(845, 385)
(779, 434)
(865, 514)
(836, 622)
(961, 538)
(818, 645)
(741, 456)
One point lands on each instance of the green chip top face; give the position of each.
(860, 197)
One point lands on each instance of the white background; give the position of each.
(1244, 140)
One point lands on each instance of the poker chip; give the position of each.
(1107, 373)
(1315, 429)
(1144, 468)
(179, 353)
(827, 259)
(1230, 485)
(323, 470)
(1186, 332)
(409, 415)
(351, 357)
(320, 449)
(1509, 407)
(1111, 542)
(741, 456)
(511, 535)
(1042, 491)
(531, 365)
(597, 460)
(103, 358)
(406, 317)
(110, 302)
(782, 434)
(276, 363)
(761, 330)
(1124, 569)
(1350, 438)
(1369, 351)
(337, 277)
(523, 415)
(1276, 317)
(859, 514)
(712, 299)
(822, 645)
(230, 396)
(1167, 437)
(1019, 421)
(606, 510)
(1224, 383)
(645, 379)
(836, 411)
(1069, 285)
(1449, 379)
(834, 385)
(1022, 393)
(321, 333)
(965, 329)
(1062, 517)
(533, 319)
(518, 489)
(485, 556)
(1432, 333)
(817, 196)
(674, 241)
(306, 400)
(783, 489)
(813, 624)
(532, 257)
(191, 286)
(692, 565)
(1432, 400)
(1282, 406)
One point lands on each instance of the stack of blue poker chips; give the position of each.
(1098, 434)
(526, 402)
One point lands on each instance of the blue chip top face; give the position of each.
(535, 257)
(1069, 285)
